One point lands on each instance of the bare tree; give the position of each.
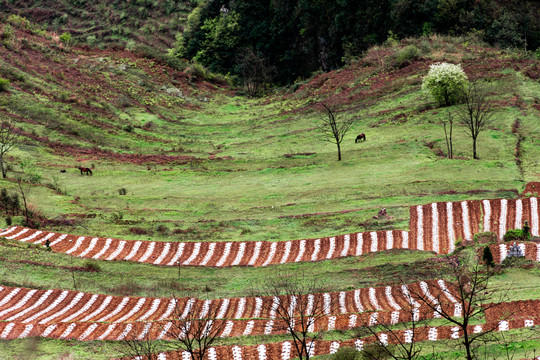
(139, 346)
(469, 291)
(8, 138)
(297, 308)
(196, 326)
(24, 191)
(332, 128)
(476, 112)
(448, 135)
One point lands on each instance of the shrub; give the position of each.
(65, 37)
(9, 221)
(488, 257)
(375, 351)
(162, 229)
(4, 84)
(8, 33)
(406, 55)
(485, 238)
(122, 191)
(347, 353)
(444, 83)
(138, 231)
(515, 235)
(92, 266)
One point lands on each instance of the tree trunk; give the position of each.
(339, 151)
(2, 166)
(467, 345)
(474, 148)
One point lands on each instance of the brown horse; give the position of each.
(361, 137)
(85, 171)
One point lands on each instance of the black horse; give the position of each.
(361, 137)
(85, 171)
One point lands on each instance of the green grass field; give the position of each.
(252, 170)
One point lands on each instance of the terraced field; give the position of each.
(65, 314)
(200, 191)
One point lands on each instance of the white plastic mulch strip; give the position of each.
(389, 240)
(196, 249)
(373, 299)
(316, 248)
(466, 227)
(209, 254)
(435, 227)
(70, 306)
(487, 216)
(38, 303)
(256, 253)
(502, 219)
(99, 310)
(359, 243)
(179, 252)
(271, 254)
(331, 248)
(149, 251)
(519, 214)
(78, 243)
(420, 228)
(240, 254)
(346, 245)
(534, 217)
(164, 253)
(240, 309)
(225, 255)
(103, 249)
(286, 253)
(405, 243)
(301, 251)
(90, 247)
(374, 241)
(83, 309)
(450, 227)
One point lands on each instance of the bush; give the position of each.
(375, 351)
(122, 191)
(406, 55)
(8, 33)
(488, 257)
(515, 235)
(9, 221)
(444, 83)
(138, 231)
(347, 353)
(485, 238)
(92, 266)
(66, 38)
(4, 84)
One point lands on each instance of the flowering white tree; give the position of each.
(444, 83)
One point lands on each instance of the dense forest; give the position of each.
(277, 41)
(297, 37)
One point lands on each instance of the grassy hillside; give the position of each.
(178, 158)
(144, 24)
(226, 167)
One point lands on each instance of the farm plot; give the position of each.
(530, 250)
(58, 306)
(433, 227)
(286, 351)
(216, 254)
(501, 215)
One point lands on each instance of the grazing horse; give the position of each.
(84, 170)
(361, 137)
